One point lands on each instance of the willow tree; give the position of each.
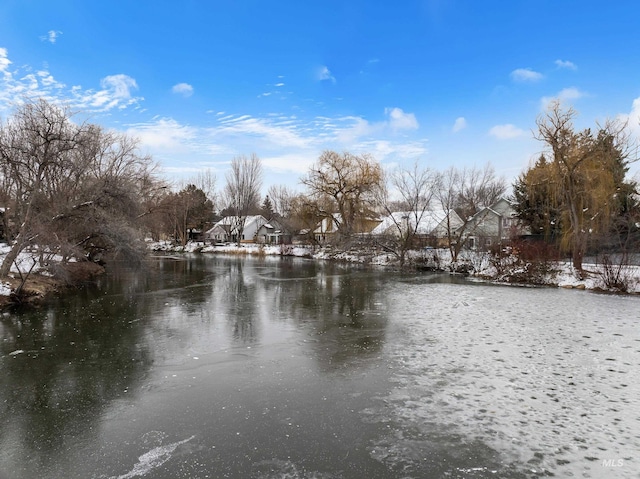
(583, 176)
(349, 182)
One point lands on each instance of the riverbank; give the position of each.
(624, 279)
(42, 281)
(621, 279)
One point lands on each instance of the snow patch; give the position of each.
(152, 459)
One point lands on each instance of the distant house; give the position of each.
(493, 225)
(328, 228)
(431, 225)
(273, 232)
(227, 229)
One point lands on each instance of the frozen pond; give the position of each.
(225, 367)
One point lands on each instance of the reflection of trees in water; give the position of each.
(235, 298)
(342, 306)
(80, 354)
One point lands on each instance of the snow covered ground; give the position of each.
(25, 262)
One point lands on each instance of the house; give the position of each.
(273, 232)
(228, 228)
(493, 225)
(327, 229)
(431, 225)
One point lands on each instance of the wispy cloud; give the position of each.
(506, 132)
(563, 96)
(115, 93)
(183, 89)
(526, 75)
(51, 36)
(566, 64)
(324, 74)
(459, 125)
(22, 83)
(285, 143)
(4, 60)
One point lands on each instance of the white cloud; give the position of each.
(119, 85)
(632, 118)
(183, 89)
(566, 64)
(279, 84)
(51, 36)
(358, 128)
(399, 120)
(287, 145)
(506, 132)
(163, 134)
(115, 93)
(324, 74)
(4, 60)
(459, 125)
(563, 96)
(298, 162)
(526, 75)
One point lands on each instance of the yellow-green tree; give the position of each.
(582, 178)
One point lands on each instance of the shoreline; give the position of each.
(474, 265)
(42, 285)
(39, 286)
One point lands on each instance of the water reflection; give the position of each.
(60, 367)
(276, 367)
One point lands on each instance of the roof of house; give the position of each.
(429, 221)
(232, 221)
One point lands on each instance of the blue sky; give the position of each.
(444, 82)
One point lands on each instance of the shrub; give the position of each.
(616, 275)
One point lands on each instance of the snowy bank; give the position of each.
(479, 265)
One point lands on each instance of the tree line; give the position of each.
(78, 191)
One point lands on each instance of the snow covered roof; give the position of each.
(429, 221)
(233, 220)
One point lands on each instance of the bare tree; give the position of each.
(350, 182)
(466, 192)
(281, 199)
(414, 189)
(242, 191)
(71, 189)
(33, 152)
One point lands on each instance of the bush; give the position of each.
(530, 262)
(616, 275)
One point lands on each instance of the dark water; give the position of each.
(214, 367)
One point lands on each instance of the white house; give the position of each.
(431, 223)
(228, 228)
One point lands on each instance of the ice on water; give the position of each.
(545, 381)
